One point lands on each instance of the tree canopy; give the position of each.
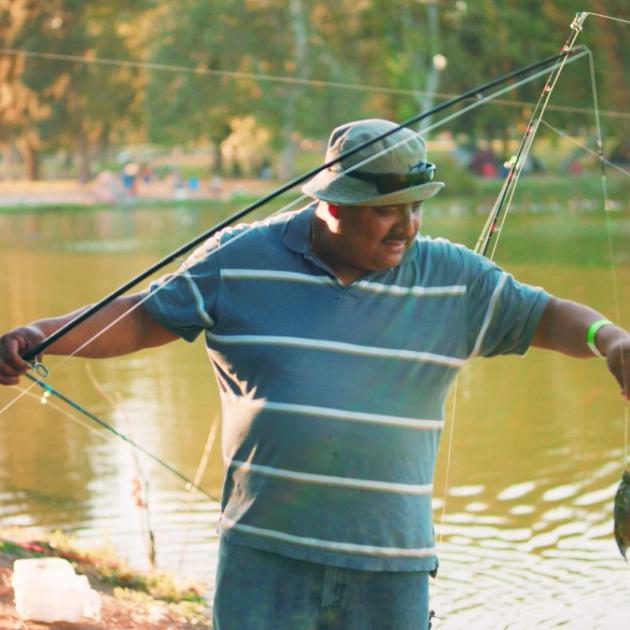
(77, 77)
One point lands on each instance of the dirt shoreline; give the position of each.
(119, 610)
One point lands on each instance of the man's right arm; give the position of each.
(134, 329)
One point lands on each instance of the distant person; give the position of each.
(146, 174)
(335, 332)
(484, 163)
(130, 174)
(215, 186)
(265, 171)
(179, 185)
(106, 187)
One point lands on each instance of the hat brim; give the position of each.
(348, 191)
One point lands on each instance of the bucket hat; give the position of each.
(390, 171)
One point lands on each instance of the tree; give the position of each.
(72, 105)
(194, 107)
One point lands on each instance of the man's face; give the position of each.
(374, 238)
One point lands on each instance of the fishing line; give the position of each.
(611, 248)
(500, 210)
(608, 17)
(108, 436)
(233, 74)
(565, 55)
(498, 214)
(453, 416)
(15, 399)
(55, 392)
(45, 400)
(491, 229)
(49, 390)
(569, 109)
(39, 348)
(605, 197)
(203, 463)
(274, 78)
(586, 148)
(139, 482)
(148, 295)
(449, 453)
(91, 310)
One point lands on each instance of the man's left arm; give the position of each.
(564, 326)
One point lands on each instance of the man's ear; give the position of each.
(333, 210)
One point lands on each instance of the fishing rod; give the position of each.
(51, 391)
(41, 370)
(31, 354)
(499, 211)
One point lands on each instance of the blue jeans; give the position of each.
(258, 590)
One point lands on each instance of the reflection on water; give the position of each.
(524, 527)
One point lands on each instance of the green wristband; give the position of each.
(592, 331)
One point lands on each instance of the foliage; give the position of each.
(68, 105)
(286, 71)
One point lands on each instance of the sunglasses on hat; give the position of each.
(420, 173)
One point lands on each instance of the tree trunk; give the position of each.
(217, 136)
(433, 75)
(421, 48)
(8, 160)
(83, 155)
(30, 158)
(300, 40)
(217, 167)
(607, 35)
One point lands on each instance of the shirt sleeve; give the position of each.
(502, 313)
(184, 301)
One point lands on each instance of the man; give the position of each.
(335, 333)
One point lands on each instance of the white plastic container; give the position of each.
(48, 589)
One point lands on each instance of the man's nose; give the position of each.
(408, 221)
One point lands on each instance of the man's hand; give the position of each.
(618, 360)
(13, 345)
(129, 328)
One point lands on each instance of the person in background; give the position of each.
(335, 332)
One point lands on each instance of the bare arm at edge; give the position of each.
(563, 328)
(135, 330)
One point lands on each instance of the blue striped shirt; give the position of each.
(333, 395)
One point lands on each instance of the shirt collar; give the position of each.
(411, 252)
(298, 233)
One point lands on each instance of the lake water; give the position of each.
(525, 521)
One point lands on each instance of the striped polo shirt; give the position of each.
(333, 395)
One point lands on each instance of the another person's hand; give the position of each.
(13, 345)
(618, 360)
